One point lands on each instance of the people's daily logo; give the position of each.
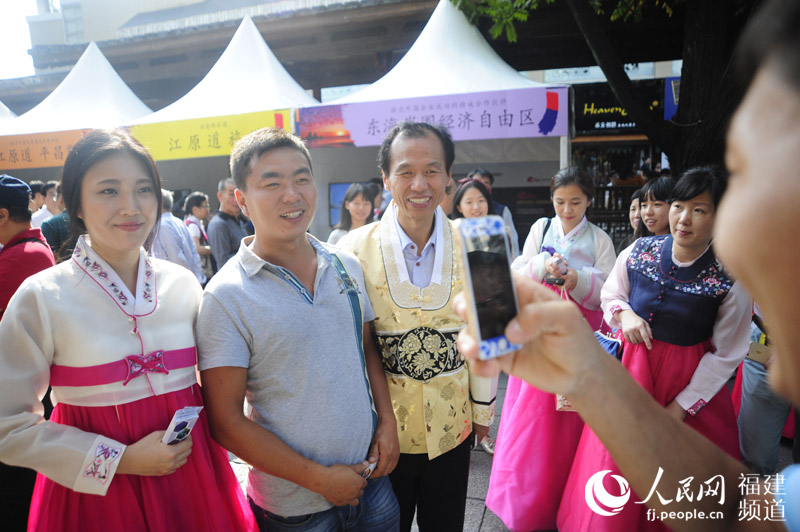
(770, 507)
(601, 501)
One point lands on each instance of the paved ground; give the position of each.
(478, 517)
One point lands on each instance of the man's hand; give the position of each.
(481, 431)
(676, 410)
(342, 485)
(385, 448)
(558, 346)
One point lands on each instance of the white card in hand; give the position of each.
(181, 424)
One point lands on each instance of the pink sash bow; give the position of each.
(124, 370)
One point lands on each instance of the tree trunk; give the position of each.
(660, 132)
(709, 89)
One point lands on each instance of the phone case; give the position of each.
(468, 228)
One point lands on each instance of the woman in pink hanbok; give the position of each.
(112, 331)
(535, 443)
(686, 326)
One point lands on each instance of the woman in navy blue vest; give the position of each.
(685, 325)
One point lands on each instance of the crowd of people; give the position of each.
(342, 373)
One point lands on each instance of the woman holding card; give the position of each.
(112, 331)
(536, 443)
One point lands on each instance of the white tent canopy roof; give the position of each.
(5, 113)
(450, 56)
(246, 78)
(91, 96)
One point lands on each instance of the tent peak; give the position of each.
(450, 56)
(246, 78)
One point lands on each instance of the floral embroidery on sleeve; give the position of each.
(103, 457)
(695, 408)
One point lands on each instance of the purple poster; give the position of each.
(519, 113)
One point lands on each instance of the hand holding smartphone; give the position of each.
(489, 285)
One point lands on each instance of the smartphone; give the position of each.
(489, 285)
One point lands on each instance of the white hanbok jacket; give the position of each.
(78, 314)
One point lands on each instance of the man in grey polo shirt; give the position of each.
(283, 324)
(226, 230)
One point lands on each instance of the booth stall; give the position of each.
(501, 120)
(35, 144)
(246, 89)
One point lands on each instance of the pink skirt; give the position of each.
(202, 495)
(533, 454)
(663, 371)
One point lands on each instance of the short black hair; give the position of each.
(481, 172)
(253, 146)
(47, 186)
(697, 180)
(36, 187)
(772, 38)
(416, 130)
(195, 199)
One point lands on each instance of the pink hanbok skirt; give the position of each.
(664, 371)
(202, 495)
(534, 452)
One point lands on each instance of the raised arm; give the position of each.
(560, 355)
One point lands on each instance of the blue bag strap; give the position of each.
(358, 323)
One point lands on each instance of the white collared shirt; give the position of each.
(422, 268)
(40, 216)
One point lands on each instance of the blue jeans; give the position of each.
(761, 420)
(377, 511)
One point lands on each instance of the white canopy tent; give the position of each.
(91, 96)
(450, 56)
(246, 78)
